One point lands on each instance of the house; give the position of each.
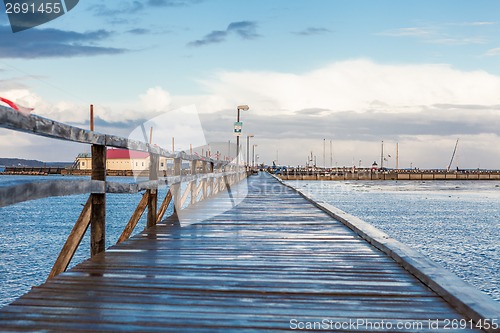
(120, 159)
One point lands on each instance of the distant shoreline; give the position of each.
(401, 174)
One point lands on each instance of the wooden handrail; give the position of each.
(94, 211)
(11, 195)
(36, 125)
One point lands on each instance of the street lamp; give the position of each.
(248, 148)
(244, 108)
(253, 155)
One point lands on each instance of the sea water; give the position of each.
(32, 233)
(454, 223)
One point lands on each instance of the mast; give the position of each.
(397, 155)
(331, 155)
(324, 153)
(453, 156)
(382, 156)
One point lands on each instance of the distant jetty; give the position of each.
(45, 171)
(291, 173)
(32, 171)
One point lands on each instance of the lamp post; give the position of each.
(244, 108)
(248, 149)
(253, 155)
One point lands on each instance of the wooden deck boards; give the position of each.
(273, 258)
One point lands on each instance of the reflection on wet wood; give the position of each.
(269, 262)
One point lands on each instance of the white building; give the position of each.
(121, 159)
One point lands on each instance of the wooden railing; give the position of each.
(207, 177)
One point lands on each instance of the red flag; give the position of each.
(16, 107)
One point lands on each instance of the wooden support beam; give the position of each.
(205, 188)
(185, 195)
(216, 186)
(205, 181)
(194, 165)
(164, 206)
(136, 216)
(153, 193)
(98, 209)
(222, 184)
(74, 239)
(198, 189)
(177, 187)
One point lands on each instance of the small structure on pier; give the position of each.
(120, 159)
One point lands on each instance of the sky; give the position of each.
(335, 78)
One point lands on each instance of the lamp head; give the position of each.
(243, 107)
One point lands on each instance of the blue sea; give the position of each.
(455, 223)
(33, 233)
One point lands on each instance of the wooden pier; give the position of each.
(274, 262)
(245, 255)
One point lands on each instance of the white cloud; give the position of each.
(61, 110)
(355, 85)
(458, 41)
(412, 31)
(183, 124)
(479, 23)
(357, 103)
(22, 96)
(155, 99)
(493, 52)
(145, 106)
(444, 34)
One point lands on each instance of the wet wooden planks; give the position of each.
(272, 259)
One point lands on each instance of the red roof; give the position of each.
(125, 154)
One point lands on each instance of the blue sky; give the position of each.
(420, 73)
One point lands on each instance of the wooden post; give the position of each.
(153, 192)
(98, 209)
(177, 187)
(91, 117)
